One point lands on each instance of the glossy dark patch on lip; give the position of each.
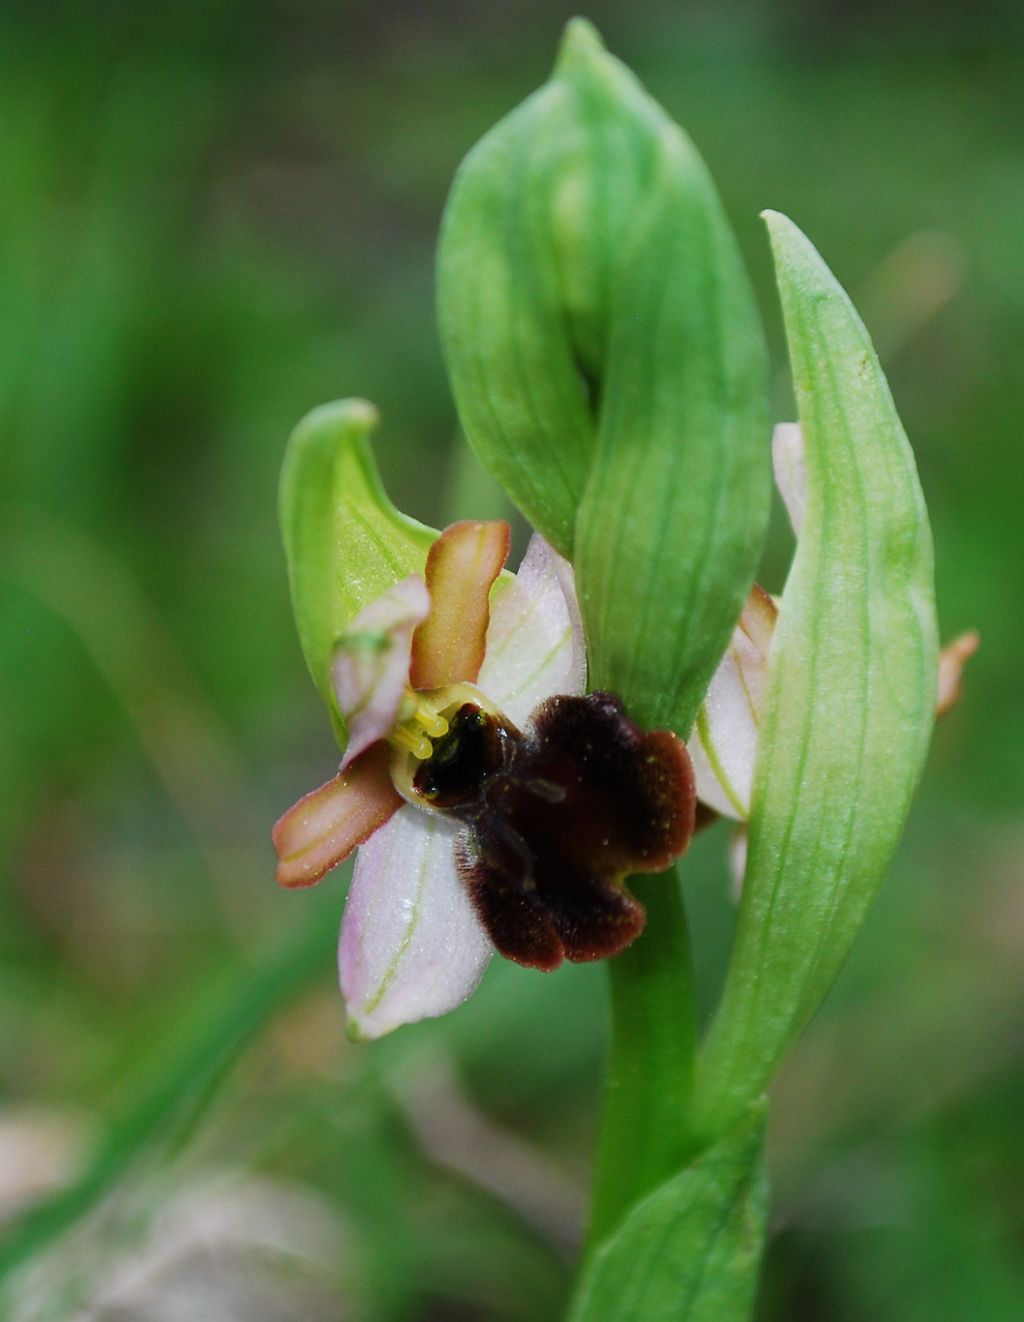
(558, 816)
(477, 747)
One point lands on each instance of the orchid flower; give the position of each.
(725, 738)
(493, 805)
(609, 367)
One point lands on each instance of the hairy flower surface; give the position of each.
(494, 805)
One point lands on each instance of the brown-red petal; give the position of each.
(448, 647)
(327, 824)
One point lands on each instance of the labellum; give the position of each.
(557, 818)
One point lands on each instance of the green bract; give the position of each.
(850, 695)
(344, 541)
(608, 367)
(690, 1249)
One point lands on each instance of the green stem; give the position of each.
(644, 1134)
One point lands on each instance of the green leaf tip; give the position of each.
(581, 42)
(794, 252)
(341, 413)
(850, 692)
(345, 543)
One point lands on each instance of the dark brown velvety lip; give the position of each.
(557, 818)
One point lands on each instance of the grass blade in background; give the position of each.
(187, 1068)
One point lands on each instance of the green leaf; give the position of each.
(506, 319)
(608, 366)
(850, 694)
(689, 1251)
(344, 540)
(674, 514)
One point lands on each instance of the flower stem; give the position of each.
(649, 1083)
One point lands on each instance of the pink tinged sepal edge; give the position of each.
(411, 945)
(724, 744)
(535, 643)
(370, 669)
(324, 827)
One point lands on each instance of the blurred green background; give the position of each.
(215, 215)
